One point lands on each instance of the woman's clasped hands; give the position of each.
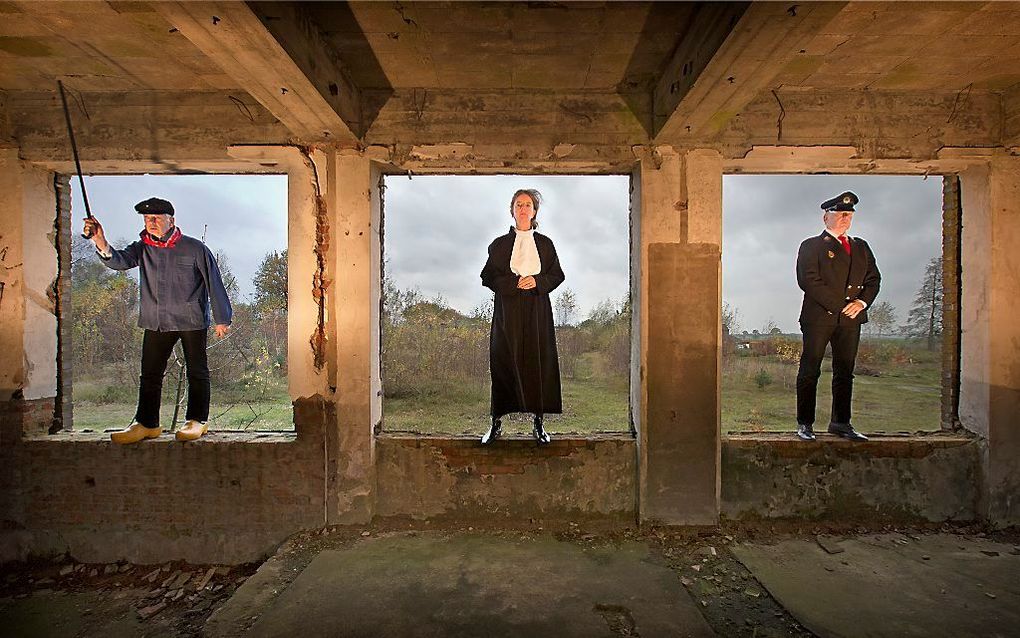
(526, 283)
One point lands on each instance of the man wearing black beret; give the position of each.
(840, 280)
(178, 276)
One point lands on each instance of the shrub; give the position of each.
(763, 379)
(787, 350)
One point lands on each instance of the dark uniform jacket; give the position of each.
(522, 342)
(830, 279)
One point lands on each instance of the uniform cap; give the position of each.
(842, 202)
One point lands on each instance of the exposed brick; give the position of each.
(222, 500)
(951, 294)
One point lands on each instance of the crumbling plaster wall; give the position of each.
(307, 236)
(28, 270)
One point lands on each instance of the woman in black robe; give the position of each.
(522, 270)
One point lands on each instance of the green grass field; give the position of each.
(108, 405)
(905, 398)
(588, 406)
(900, 395)
(898, 401)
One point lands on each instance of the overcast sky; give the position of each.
(246, 214)
(765, 217)
(438, 227)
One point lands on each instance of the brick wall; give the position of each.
(951, 293)
(234, 497)
(63, 414)
(226, 499)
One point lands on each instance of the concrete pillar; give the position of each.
(354, 205)
(678, 239)
(28, 272)
(305, 378)
(990, 341)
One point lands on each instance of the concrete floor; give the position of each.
(893, 584)
(502, 583)
(433, 584)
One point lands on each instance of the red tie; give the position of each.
(846, 243)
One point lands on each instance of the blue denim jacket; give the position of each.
(176, 284)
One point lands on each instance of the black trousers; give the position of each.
(844, 340)
(156, 349)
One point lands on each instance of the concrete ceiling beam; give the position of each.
(719, 68)
(709, 28)
(169, 131)
(277, 55)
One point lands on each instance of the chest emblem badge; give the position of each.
(831, 254)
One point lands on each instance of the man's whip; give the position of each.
(74, 150)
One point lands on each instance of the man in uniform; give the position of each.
(177, 277)
(840, 280)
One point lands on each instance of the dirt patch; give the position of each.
(172, 599)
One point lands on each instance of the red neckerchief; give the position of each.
(169, 243)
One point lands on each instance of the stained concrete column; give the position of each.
(354, 205)
(990, 326)
(679, 234)
(306, 223)
(28, 322)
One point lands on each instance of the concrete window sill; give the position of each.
(167, 438)
(515, 440)
(878, 445)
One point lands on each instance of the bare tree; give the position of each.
(881, 318)
(925, 319)
(730, 319)
(566, 308)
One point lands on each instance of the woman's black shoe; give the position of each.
(495, 431)
(539, 432)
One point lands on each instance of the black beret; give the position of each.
(844, 201)
(154, 206)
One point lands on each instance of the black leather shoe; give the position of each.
(805, 432)
(539, 432)
(846, 431)
(495, 431)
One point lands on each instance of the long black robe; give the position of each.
(523, 362)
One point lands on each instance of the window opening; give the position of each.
(436, 315)
(243, 220)
(897, 385)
